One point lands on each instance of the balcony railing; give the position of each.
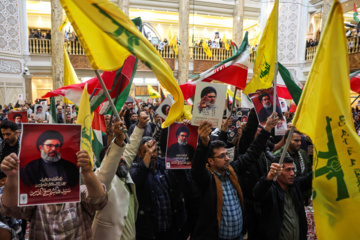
(353, 47)
(43, 46)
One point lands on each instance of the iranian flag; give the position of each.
(98, 127)
(355, 81)
(232, 71)
(355, 14)
(288, 87)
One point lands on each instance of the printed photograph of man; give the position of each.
(50, 164)
(165, 109)
(207, 103)
(39, 112)
(267, 108)
(17, 118)
(181, 151)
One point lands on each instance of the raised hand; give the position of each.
(204, 132)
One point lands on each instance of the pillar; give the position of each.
(124, 6)
(325, 14)
(28, 88)
(183, 54)
(238, 19)
(57, 44)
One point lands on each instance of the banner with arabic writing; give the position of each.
(48, 172)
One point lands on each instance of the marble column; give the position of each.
(28, 88)
(325, 13)
(57, 44)
(124, 6)
(238, 21)
(183, 54)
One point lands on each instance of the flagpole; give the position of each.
(276, 58)
(355, 100)
(288, 140)
(232, 107)
(110, 101)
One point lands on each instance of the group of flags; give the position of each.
(113, 43)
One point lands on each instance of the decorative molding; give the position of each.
(203, 65)
(10, 66)
(11, 84)
(9, 27)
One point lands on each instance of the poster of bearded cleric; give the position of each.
(209, 103)
(48, 164)
(182, 140)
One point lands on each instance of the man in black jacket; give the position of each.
(281, 213)
(222, 208)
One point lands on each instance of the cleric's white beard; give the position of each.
(48, 159)
(266, 106)
(182, 143)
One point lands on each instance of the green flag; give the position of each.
(52, 116)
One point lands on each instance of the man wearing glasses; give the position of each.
(222, 209)
(50, 165)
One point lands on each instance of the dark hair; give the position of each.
(17, 115)
(215, 145)
(38, 107)
(8, 124)
(145, 140)
(287, 134)
(182, 129)
(50, 134)
(163, 109)
(2, 175)
(286, 160)
(208, 90)
(132, 114)
(102, 153)
(263, 95)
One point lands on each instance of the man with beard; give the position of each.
(207, 103)
(181, 151)
(50, 164)
(10, 143)
(122, 207)
(267, 110)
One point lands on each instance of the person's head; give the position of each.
(210, 93)
(68, 118)
(49, 144)
(142, 149)
(2, 178)
(165, 109)
(165, 40)
(182, 134)
(264, 98)
(283, 104)
(133, 117)
(39, 109)
(129, 106)
(286, 178)
(73, 109)
(157, 118)
(146, 109)
(58, 102)
(67, 109)
(17, 118)
(217, 158)
(107, 119)
(295, 141)
(59, 109)
(357, 118)
(8, 131)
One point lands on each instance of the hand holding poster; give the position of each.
(182, 140)
(209, 103)
(48, 165)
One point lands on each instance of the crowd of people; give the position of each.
(132, 195)
(40, 35)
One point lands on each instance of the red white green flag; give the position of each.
(355, 14)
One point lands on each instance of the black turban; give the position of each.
(17, 115)
(207, 90)
(50, 134)
(182, 129)
(263, 95)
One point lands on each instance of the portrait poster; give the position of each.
(48, 172)
(209, 103)
(281, 127)
(72, 111)
(263, 103)
(40, 111)
(236, 122)
(164, 107)
(18, 117)
(243, 114)
(181, 145)
(283, 105)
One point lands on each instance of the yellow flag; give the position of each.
(173, 44)
(266, 55)
(66, 20)
(227, 47)
(152, 92)
(324, 114)
(231, 93)
(108, 35)
(169, 33)
(84, 118)
(70, 76)
(186, 113)
(206, 49)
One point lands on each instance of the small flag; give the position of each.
(70, 76)
(52, 115)
(152, 92)
(66, 20)
(173, 44)
(355, 14)
(206, 49)
(227, 47)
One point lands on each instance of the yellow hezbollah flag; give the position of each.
(173, 43)
(84, 118)
(66, 20)
(266, 55)
(324, 115)
(227, 47)
(231, 93)
(112, 36)
(186, 113)
(70, 76)
(206, 49)
(152, 92)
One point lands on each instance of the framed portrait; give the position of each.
(18, 117)
(48, 172)
(209, 103)
(164, 107)
(243, 114)
(181, 145)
